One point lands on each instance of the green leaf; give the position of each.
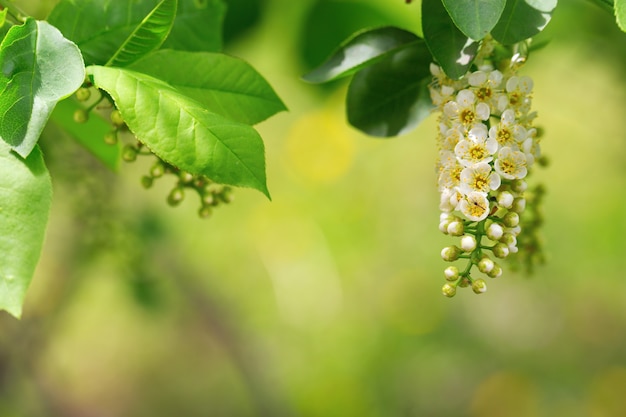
(3, 16)
(620, 14)
(25, 197)
(523, 19)
(182, 131)
(475, 18)
(450, 47)
(360, 50)
(391, 97)
(148, 36)
(100, 27)
(198, 26)
(39, 68)
(225, 85)
(89, 134)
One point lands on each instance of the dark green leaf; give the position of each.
(148, 36)
(89, 134)
(39, 68)
(475, 18)
(100, 27)
(450, 47)
(198, 26)
(360, 50)
(391, 97)
(25, 196)
(523, 19)
(225, 85)
(182, 131)
(620, 14)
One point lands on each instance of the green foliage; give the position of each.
(148, 36)
(25, 194)
(88, 134)
(182, 132)
(620, 14)
(224, 84)
(475, 18)
(198, 26)
(391, 97)
(523, 19)
(362, 49)
(39, 68)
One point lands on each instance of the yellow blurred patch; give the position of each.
(606, 393)
(320, 146)
(505, 394)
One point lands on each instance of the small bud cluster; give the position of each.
(210, 193)
(487, 147)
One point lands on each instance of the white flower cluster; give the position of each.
(487, 145)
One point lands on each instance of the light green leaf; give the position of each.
(475, 18)
(148, 36)
(225, 85)
(360, 50)
(3, 16)
(451, 49)
(182, 131)
(391, 97)
(620, 14)
(39, 68)
(100, 27)
(25, 196)
(522, 19)
(89, 134)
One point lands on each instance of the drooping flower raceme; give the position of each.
(487, 147)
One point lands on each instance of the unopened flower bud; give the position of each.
(443, 226)
(519, 186)
(450, 253)
(511, 219)
(495, 272)
(468, 243)
(116, 118)
(175, 196)
(508, 239)
(479, 286)
(110, 138)
(505, 199)
(146, 181)
(456, 228)
(157, 170)
(83, 94)
(81, 116)
(451, 273)
(448, 290)
(495, 231)
(205, 212)
(129, 154)
(500, 250)
(519, 205)
(485, 265)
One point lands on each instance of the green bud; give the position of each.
(185, 177)
(83, 94)
(451, 273)
(500, 250)
(205, 212)
(157, 169)
(485, 265)
(147, 181)
(129, 154)
(519, 186)
(508, 239)
(208, 199)
(111, 138)
(519, 205)
(116, 118)
(495, 272)
(511, 219)
(456, 228)
(81, 116)
(449, 290)
(176, 196)
(464, 282)
(479, 286)
(450, 253)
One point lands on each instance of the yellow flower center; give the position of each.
(477, 153)
(503, 136)
(467, 116)
(484, 93)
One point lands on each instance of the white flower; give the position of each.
(475, 206)
(508, 132)
(465, 110)
(477, 148)
(518, 94)
(450, 137)
(511, 164)
(485, 84)
(479, 177)
(449, 175)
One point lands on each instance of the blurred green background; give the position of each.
(326, 301)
